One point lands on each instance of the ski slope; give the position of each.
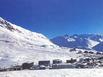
(55, 73)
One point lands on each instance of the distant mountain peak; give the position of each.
(84, 41)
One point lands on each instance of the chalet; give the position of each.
(57, 61)
(71, 60)
(27, 65)
(45, 63)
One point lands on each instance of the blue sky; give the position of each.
(55, 17)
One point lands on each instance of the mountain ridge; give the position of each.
(84, 41)
(21, 32)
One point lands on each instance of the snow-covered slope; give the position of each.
(99, 47)
(18, 45)
(85, 41)
(15, 34)
(55, 73)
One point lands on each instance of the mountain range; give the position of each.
(83, 41)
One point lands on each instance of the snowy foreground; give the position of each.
(55, 73)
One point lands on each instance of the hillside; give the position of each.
(18, 45)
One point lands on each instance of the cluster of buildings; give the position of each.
(83, 62)
(58, 64)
